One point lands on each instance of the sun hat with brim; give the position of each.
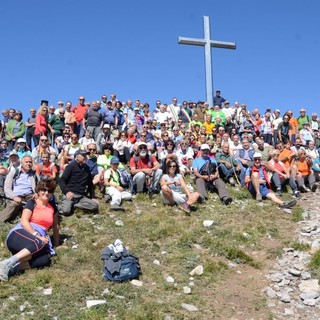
(257, 155)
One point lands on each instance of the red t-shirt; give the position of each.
(79, 112)
(142, 163)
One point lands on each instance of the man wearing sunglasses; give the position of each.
(19, 187)
(145, 170)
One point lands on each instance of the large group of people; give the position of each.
(180, 151)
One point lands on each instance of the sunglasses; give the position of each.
(170, 144)
(142, 148)
(46, 190)
(43, 139)
(173, 166)
(257, 159)
(92, 149)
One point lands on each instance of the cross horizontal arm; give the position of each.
(203, 42)
(193, 41)
(222, 44)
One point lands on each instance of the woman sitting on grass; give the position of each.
(29, 241)
(172, 184)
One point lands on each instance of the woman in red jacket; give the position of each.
(41, 123)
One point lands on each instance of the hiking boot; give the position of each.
(202, 199)
(116, 207)
(279, 192)
(4, 270)
(232, 182)
(185, 207)
(259, 197)
(288, 204)
(107, 198)
(297, 194)
(227, 200)
(303, 188)
(314, 187)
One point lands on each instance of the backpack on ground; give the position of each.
(119, 264)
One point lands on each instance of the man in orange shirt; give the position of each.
(294, 124)
(79, 111)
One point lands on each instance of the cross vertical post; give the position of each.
(207, 43)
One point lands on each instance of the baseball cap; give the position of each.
(21, 140)
(205, 146)
(115, 160)
(257, 155)
(106, 126)
(142, 144)
(80, 152)
(13, 153)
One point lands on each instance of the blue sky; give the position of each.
(62, 49)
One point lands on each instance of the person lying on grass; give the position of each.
(29, 241)
(172, 183)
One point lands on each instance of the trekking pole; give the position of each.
(235, 174)
(2, 196)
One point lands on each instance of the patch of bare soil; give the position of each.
(241, 294)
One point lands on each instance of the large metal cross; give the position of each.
(207, 43)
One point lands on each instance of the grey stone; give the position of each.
(309, 295)
(189, 307)
(311, 285)
(309, 302)
(285, 297)
(295, 272)
(271, 293)
(276, 277)
(169, 279)
(305, 275)
(187, 290)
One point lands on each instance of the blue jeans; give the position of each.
(225, 172)
(282, 182)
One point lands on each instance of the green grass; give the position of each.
(151, 231)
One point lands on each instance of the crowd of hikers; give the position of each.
(120, 148)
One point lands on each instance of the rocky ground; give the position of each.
(292, 292)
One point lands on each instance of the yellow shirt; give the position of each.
(209, 127)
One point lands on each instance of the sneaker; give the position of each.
(279, 192)
(259, 197)
(4, 270)
(185, 207)
(227, 200)
(116, 207)
(314, 187)
(288, 204)
(232, 182)
(297, 194)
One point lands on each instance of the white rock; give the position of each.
(76, 246)
(92, 303)
(187, 290)
(156, 262)
(198, 270)
(305, 275)
(246, 235)
(106, 291)
(309, 302)
(47, 292)
(288, 312)
(164, 252)
(271, 293)
(208, 223)
(295, 272)
(231, 265)
(189, 307)
(309, 295)
(119, 223)
(311, 285)
(169, 279)
(136, 283)
(285, 297)
(154, 204)
(22, 307)
(191, 284)
(287, 210)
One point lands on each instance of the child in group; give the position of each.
(113, 186)
(46, 168)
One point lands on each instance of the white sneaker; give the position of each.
(4, 270)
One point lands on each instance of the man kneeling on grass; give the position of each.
(171, 184)
(258, 183)
(113, 186)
